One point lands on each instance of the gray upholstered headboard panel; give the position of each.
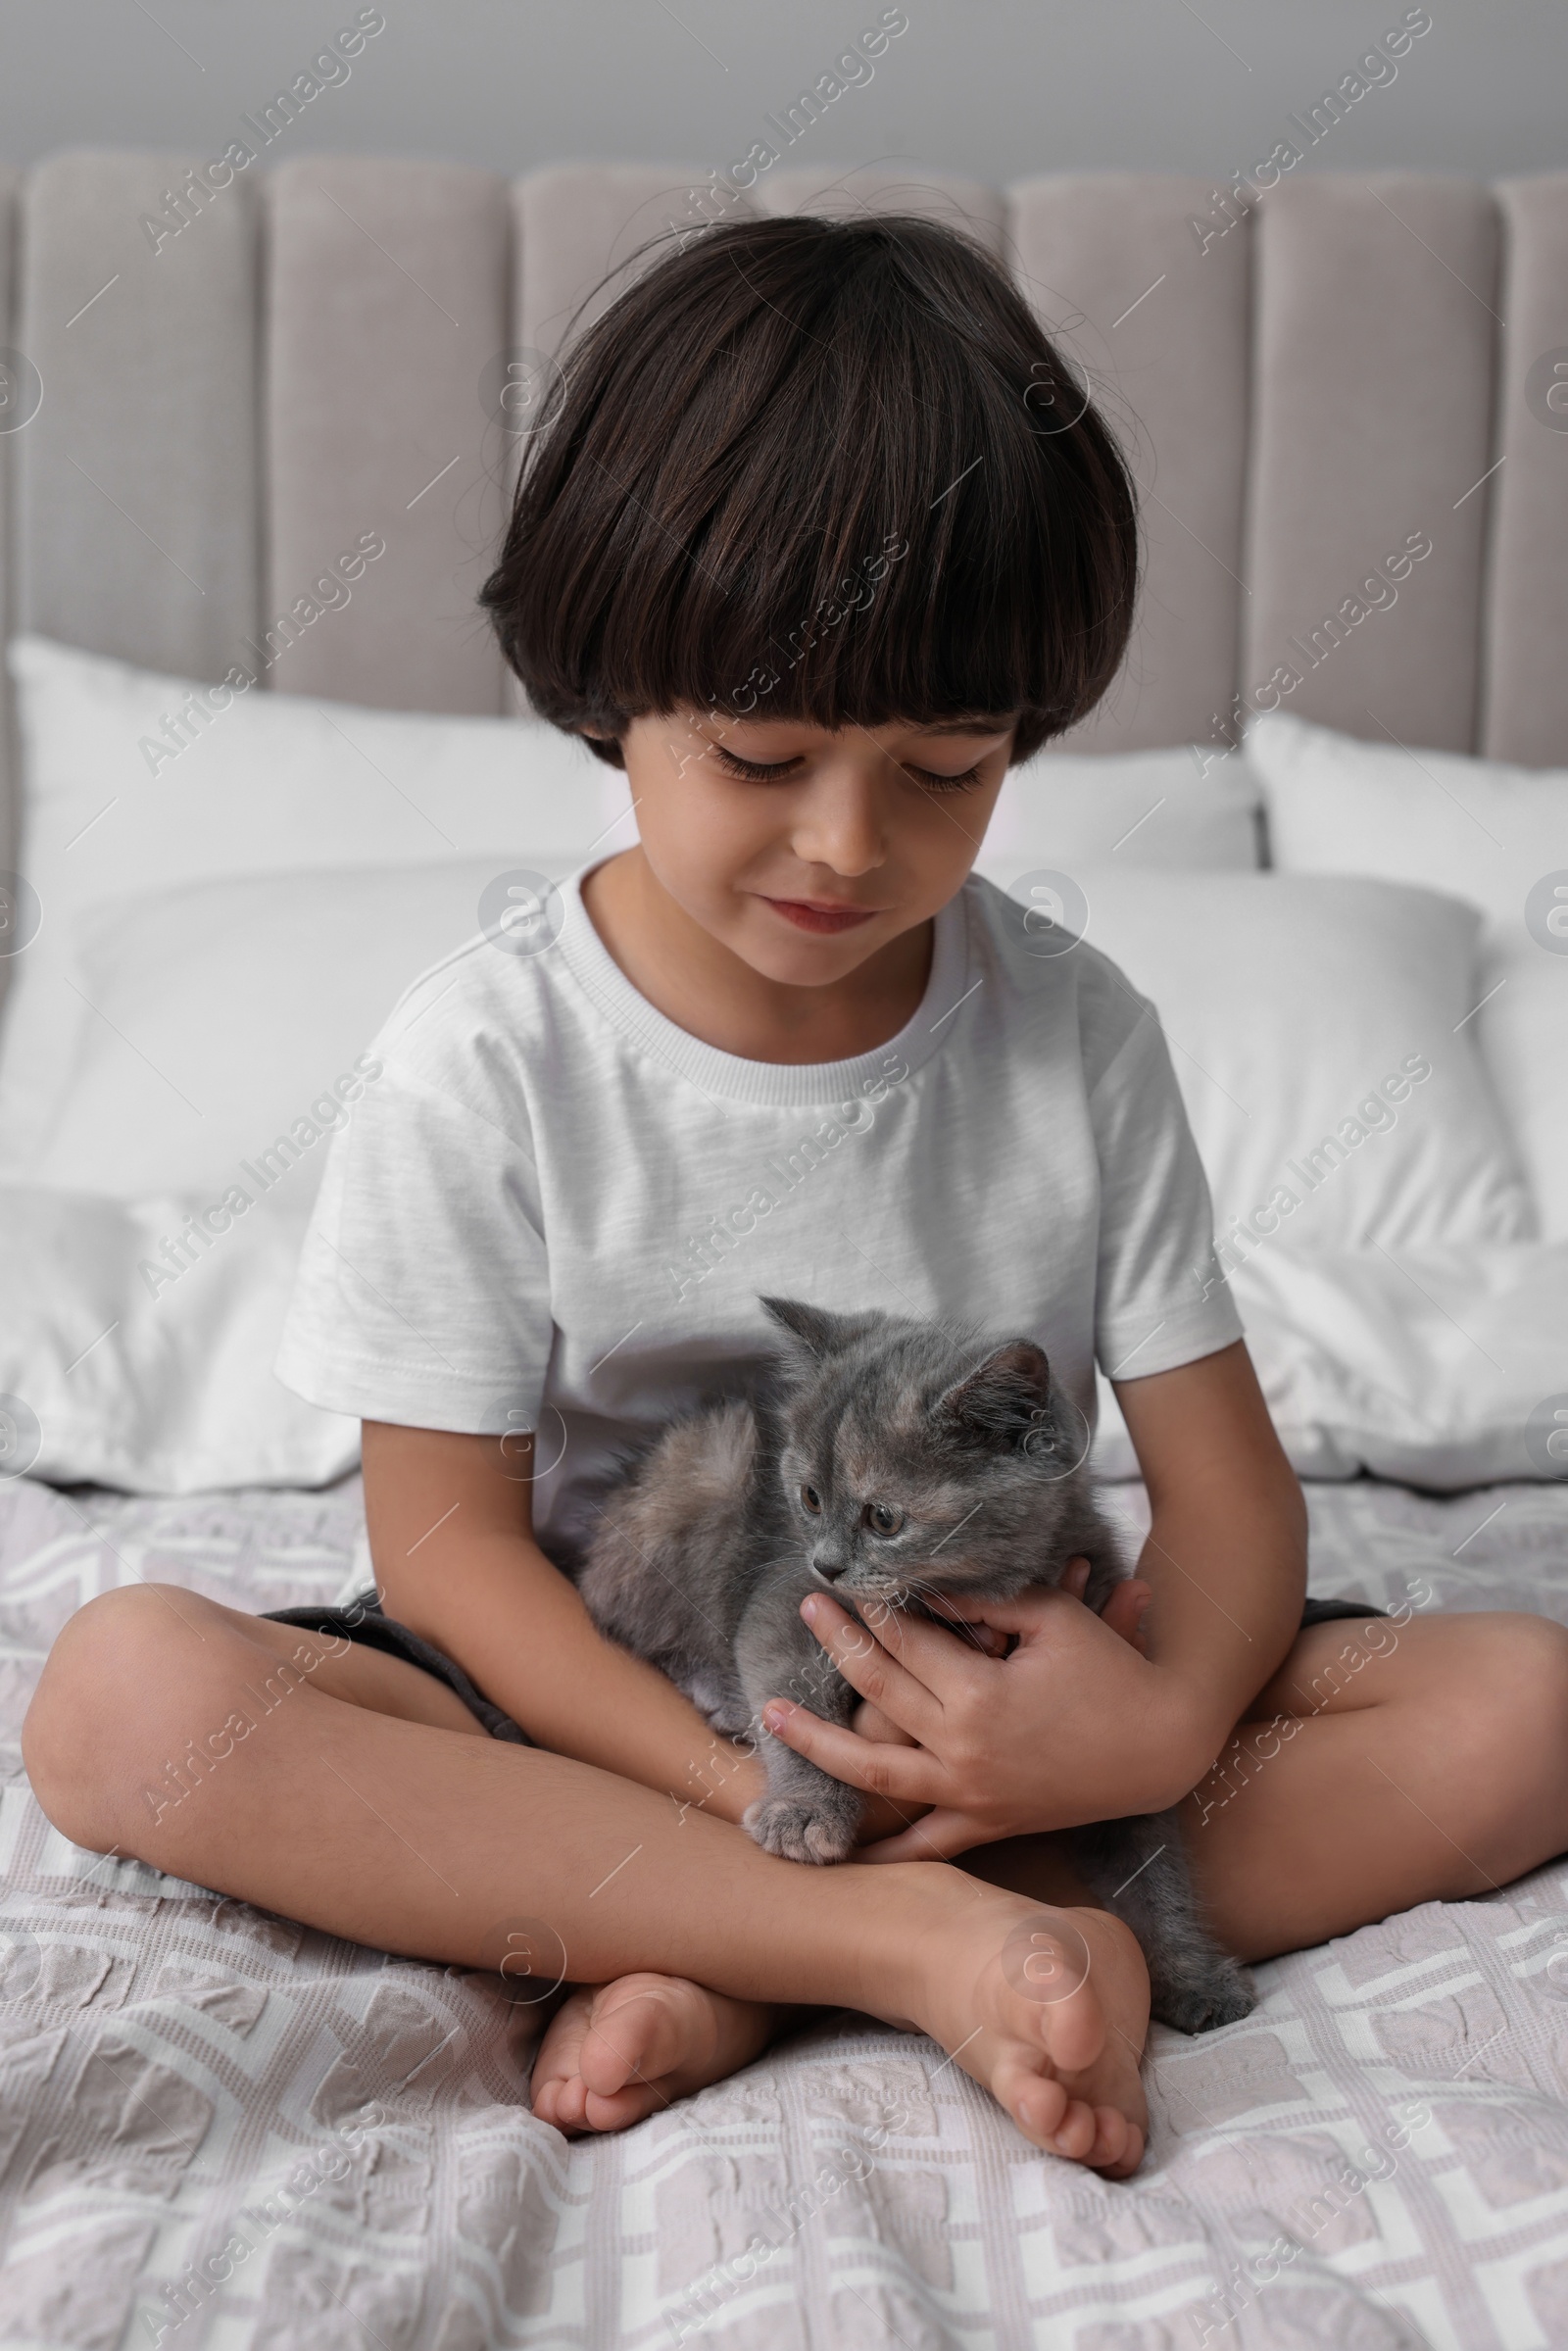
(314, 356)
(11, 388)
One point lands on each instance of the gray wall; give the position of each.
(994, 87)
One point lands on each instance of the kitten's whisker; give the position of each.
(938, 1605)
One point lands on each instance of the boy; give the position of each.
(804, 551)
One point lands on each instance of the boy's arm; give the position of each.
(450, 1527)
(1225, 1557)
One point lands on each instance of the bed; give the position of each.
(220, 2128)
(181, 2072)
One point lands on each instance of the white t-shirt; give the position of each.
(555, 1211)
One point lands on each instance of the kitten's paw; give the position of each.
(1222, 1996)
(796, 1831)
(735, 1720)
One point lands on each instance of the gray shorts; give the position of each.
(364, 1619)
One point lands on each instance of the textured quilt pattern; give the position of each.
(221, 2129)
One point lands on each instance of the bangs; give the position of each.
(830, 472)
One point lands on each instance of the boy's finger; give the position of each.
(905, 1773)
(1024, 1613)
(870, 1722)
(939, 1836)
(910, 1669)
(1123, 1612)
(877, 1662)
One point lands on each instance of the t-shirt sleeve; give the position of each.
(423, 1296)
(1160, 1299)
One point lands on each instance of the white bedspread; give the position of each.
(180, 2074)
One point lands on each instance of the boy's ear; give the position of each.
(602, 744)
(821, 1334)
(1004, 1397)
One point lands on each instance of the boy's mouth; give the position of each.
(820, 914)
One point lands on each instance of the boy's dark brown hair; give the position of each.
(824, 470)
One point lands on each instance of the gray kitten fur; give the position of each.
(936, 1464)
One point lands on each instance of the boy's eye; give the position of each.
(810, 1497)
(776, 771)
(881, 1520)
(754, 771)
(945, 783)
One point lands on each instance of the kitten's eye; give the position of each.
(810, 1497)
(881, 1520)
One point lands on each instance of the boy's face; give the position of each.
(754, 826)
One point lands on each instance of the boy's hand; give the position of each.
(1037, 1739)
(1123, 1612)
(1075, 1724)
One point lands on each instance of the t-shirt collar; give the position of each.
(782, 1084)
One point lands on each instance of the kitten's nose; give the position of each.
(827, 1568)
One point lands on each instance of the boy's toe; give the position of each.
(641, 2028)
(627, 2106)
(1124, 2165)
(1076, 2135)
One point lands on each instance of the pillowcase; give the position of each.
(115, 805)
(1438, 1368)
(1495, 835)
(1196, 806)
(141, 1333)
(114, 1371)
(230, 1020)
(1319, 1036)
(134, 782)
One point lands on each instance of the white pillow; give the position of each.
(225, 1012)
(221, 1011)
(269, 783)
(1178, 808)
(1436, 1367)
(110, 1376)
(1316, 1028)
(133, 781)
(1495, 835)
(142, 1352)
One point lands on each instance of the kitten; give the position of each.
(886, 1460)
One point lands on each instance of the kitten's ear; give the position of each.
(823, 1334)
(1004, 1397)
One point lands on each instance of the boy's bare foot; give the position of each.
(617, 2052)
(1047, 2008)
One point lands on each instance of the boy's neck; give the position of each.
(718, 996)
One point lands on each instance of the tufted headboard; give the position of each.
(235, 386)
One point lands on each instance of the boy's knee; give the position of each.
(103, 1704)
(1521, 1666)
(1532, 1680)
(1508, 1716)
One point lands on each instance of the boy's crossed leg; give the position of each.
(340, 1788)
(1385, 1764)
